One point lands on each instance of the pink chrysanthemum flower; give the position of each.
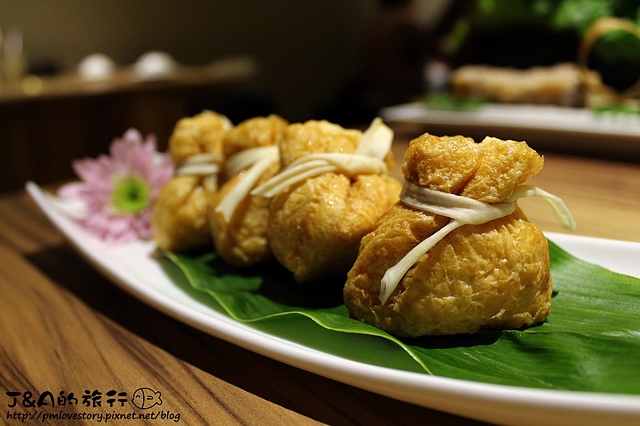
(118, 191)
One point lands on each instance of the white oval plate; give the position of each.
(133, 268)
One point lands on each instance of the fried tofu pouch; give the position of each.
(179, 219)
(241, 240)
(315, 226)
(489, 276)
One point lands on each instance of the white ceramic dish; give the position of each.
(546, 126)
(133, 268)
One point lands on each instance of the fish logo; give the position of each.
(145, 398)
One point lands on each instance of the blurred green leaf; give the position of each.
(449, 102)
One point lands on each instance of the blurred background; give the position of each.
(244, 57)
(76, 73)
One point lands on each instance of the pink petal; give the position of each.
(72, 190)
(129, 155)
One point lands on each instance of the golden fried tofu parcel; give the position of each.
(447, 251)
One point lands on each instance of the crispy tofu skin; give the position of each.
(315, 227)
(253, 133)
(489, 276)
(201, 134)
(243, 240)
(179, 220)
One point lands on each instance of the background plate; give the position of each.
(563, 129)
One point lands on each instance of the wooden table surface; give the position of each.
(64, 328)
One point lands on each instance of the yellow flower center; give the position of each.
(131, 195)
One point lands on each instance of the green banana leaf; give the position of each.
(590, 342)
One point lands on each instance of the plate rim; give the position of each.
(546, 118)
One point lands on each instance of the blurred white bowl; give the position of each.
(96, 66)
(154, 64)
